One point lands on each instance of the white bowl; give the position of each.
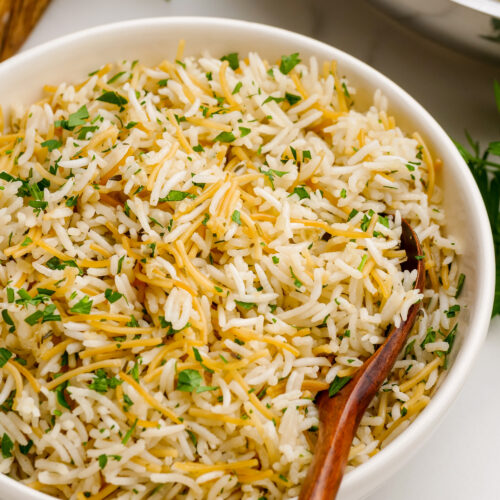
(70, 58)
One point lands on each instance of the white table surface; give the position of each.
(462, 460)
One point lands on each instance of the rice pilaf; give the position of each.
(188, 253)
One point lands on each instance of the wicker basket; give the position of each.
(17, 19)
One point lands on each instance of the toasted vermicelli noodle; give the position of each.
(188, 253)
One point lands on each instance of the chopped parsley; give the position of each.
(103, 460)
(245, 305)
(225, 137)
(190, 380)
(51, 144)
(237, 88)
(452, 311)
(6, 446)
(232, 59)
(130, 432)
(275, 99)
(175, 195)
(289, 62)
(337, 384)
(71, 202)
(167, 324)
(24, 449)
(56, 263)
(429, 338)
(74, 119)
(301, 192)
(5, 355)
(352, 214)
(113, 98)
(244, 131)
(102, 382)
(236, 217)
(112, 296)
(83, 306)
(292, 98)
(296, 281)
(120, 264)
(115, 77)
(460, 285)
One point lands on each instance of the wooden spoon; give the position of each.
(340, 415)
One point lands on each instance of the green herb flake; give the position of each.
(429, 337)
(363, 262)
(5, 355)
(244, 131)
(353, 213)
(130, 432)
(112, 296)
(232, 59)
(188, 380)
(292, 98)
(113, 98)
(24, 449)
(82, 134)
(383, 220)
(289, 62)
(460, 285)
(452, 311)
(51, 144)
(197, 355)
(237, 88)
(102, 382)
(337, 384)
(296, 282)
(409, 348)
(275, 99)
(32, 319)
(225, 137)
(115, 77)
(245, 305)
(103, 460)
(236, 217)
(71, 202)
(301, 192)
(174, 195)
(7, 446)
(74, 120)
(120, 264)
(276, 260)
(83, 306)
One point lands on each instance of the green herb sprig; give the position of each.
(485, 167)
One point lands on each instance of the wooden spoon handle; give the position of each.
(341, 414)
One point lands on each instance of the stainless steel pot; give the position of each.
(467, 25)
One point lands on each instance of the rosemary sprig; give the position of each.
(485, 167)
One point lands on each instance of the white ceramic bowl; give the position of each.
(70, 58)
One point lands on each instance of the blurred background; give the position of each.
(410, 42)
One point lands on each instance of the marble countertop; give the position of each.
(460, 461)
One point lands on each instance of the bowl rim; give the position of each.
(405, 445)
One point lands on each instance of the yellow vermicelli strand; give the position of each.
(157, 406)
